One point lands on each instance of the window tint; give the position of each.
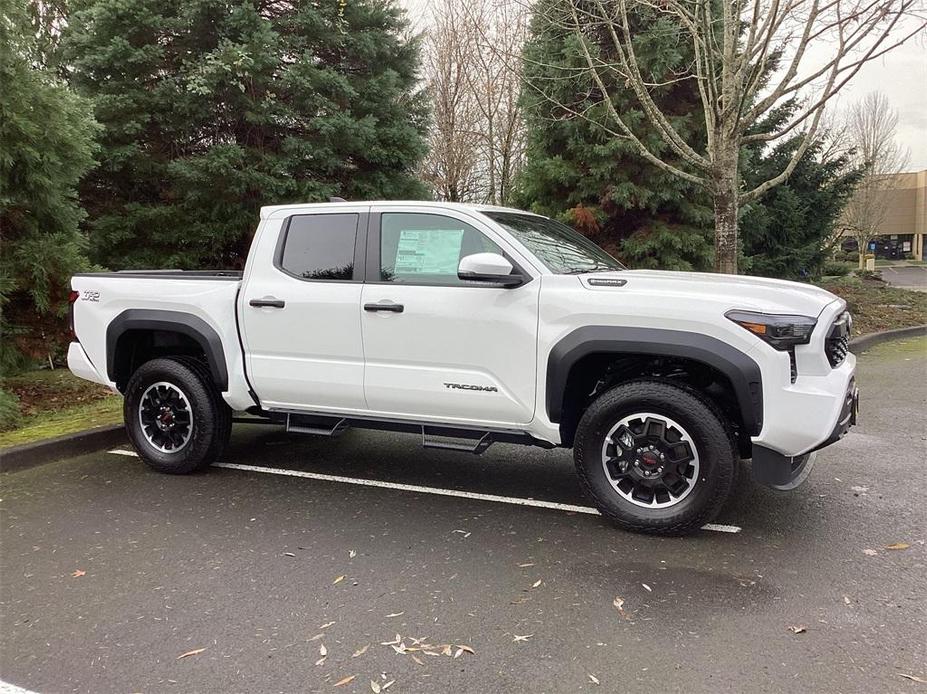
(320, 246)
(427, 248)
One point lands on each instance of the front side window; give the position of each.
(560, 248)
(427, 248)
(320, 246)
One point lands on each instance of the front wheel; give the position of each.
(655, 457)
(174, 415)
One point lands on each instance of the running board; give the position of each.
(449, 437)
(318, 426)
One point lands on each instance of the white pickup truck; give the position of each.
(470, 325)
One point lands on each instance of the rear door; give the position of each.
(300, 311)
(448, 349)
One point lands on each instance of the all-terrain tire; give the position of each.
(210, 418)
(701, 421)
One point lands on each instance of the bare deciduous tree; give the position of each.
(750, 59)
(477, 137)
(451, 167)
(870, 128)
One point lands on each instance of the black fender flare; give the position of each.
(171, 321)
(742, 371)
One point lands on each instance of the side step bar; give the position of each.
(318, 426)
(444, 437)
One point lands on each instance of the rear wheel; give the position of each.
(174, 415)
(655, 457)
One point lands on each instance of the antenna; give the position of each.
(335, 199)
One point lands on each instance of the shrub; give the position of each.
(10, 414)
(837, 269)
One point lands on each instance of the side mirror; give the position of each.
(488, 267)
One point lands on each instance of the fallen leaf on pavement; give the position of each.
(466, 649)
(522, 638)
(846, 599)
(798, 630)
(396, 614)
(360, 651)
(323, 651)
(375, 686)
(525, 566)
(327, 624)
(189, 653)
(536, 583)
(417, 660)
(618, 602)
(338, 580)
(647, 588)
(317, 637)
(913, 678)
(288, 554)
(78, 573)
(870, 552)
(595, 680)
(389, 684)
(898, 545)
(352, 554)
(345, 680)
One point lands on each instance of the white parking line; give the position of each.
(515, 501)
(7, 688)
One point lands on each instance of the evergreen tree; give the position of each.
(213, 108)
(600, 184)
(46, 145)
(786, 233)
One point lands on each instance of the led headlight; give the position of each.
(781, 331)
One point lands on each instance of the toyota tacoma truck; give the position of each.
(469, 325)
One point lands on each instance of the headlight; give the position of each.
(782, 332)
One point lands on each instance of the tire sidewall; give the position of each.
(196, 451)
(709, 435)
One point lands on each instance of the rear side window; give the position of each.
(320, 246)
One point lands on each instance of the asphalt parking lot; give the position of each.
(906, 276)
(267, 582)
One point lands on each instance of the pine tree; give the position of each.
(46, 145)
(213, 108)
(598, 183)
(786, 233)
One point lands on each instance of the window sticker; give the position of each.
(428, 251)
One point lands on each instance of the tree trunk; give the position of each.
(862, 260)
(725, 204)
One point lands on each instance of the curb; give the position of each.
(39, 452)
(864, 342)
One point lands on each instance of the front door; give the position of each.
(444, 349)
(301, 315)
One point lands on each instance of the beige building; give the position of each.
(905, 225)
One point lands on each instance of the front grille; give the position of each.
(837, 344)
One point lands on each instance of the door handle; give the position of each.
(267, 302)
(392, 308)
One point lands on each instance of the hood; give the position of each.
(739, 291)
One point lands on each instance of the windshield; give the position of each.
(560, 248)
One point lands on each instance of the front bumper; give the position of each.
(784, 472)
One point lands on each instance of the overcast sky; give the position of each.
(901, 75)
